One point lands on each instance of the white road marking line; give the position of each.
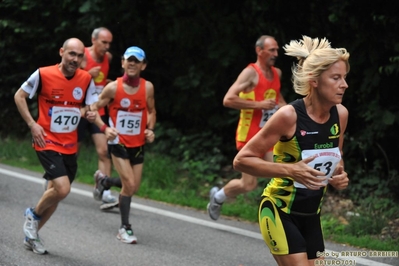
(227, 228)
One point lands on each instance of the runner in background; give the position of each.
(256, 93)
(97, 62)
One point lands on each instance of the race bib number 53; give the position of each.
(326, 161)
(64, 119)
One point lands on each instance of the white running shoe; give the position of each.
(109, 202)
(31, 224)
(126, 235)
(36, 245)
(213, 207)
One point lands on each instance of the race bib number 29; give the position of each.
(64, 119)
(266, 114)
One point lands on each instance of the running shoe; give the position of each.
(109, 202)
(31, 224)
(99, 188)
(36, 245)
(126, 235)
(213, 207)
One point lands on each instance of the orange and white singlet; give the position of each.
(101, 80)
(128, 114)
(59, 102)
(252, 120)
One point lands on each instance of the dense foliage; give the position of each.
(196, 49)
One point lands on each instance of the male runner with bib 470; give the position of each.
(61, 90)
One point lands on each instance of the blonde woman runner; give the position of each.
(307, 135)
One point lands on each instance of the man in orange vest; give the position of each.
(97, 61)
(64, 94)
(256, 93)
(132, 117)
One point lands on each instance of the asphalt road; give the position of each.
(80, 234)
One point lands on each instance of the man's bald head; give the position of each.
(72, 53)
(75, 42)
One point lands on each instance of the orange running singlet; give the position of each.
(252, 120)
(128, 114)
(59, 102)
(101, 80)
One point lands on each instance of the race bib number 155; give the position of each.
(129, 123)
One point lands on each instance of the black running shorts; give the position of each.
(56, 164)
(135, 155)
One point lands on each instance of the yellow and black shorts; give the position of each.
(290, 233)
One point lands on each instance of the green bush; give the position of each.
(198, 154)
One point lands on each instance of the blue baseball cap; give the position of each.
(134, 51)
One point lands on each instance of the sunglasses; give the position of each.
(133, 59)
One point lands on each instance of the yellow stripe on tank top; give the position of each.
(246, 116)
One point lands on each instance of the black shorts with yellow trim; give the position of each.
(134, 155)
(290, 233)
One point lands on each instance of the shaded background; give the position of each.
(196, 49)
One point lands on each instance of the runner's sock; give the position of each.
(112, 182)
(124, 207)
(35, 215)
(220, 196)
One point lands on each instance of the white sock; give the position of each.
(106, 193)
(220, 196)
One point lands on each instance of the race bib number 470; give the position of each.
(64, 119)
